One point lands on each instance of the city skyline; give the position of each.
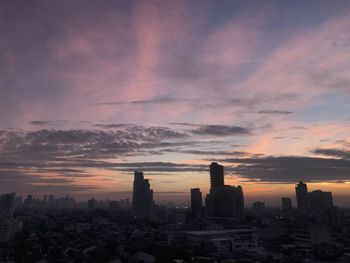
(92, 91)
(143, 202)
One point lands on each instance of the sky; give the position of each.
(92, 90)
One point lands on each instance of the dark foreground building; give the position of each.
(196, 202)
(142, 195)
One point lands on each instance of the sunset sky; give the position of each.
(92, 90)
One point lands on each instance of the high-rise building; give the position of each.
(196, 202)
(302, 196)
(259, 206)
(223, 200)
(286, 204)
(320, 201)
(216, 175)
(7, 204)
(142, 201)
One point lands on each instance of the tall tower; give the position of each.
(216, 175)
(142, 194)
(196, 202)
(223, 200)
(302, 196)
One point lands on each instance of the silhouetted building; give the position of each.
(142, 195)
(223, 200)
(320, 201)
(196, 202)
(52, 201)
(216, 175)
(302, 196)
(286, 204)
(7, 204)
(18, 201)
(259, 206)
(28, 201)
(92, 203)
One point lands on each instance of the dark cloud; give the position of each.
(65, 154)
(289, 169)
(247, 103)
(158, 167)
(48, 144)
(282, 137)
(48, 123)
(339, 153)
(298, 128)
(156, 100)
(185, 124)
(274, 112)
(114, 125)
(344, 143)
(330, 79)
(208, 152)
(24, 180)
(221, 130)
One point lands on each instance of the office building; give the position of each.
(142, 201)
(320, 201)
(223, 200)
(302, 196)
(216, 175)
(196, 202)
(7, 204)
(286, 203)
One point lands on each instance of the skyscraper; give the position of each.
(286, 204)
(223, 200)
(7, 204)
(142, 195)
(216, 175)
(320, 201)
(302, 196)
(196, 202)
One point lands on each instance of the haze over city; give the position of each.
(92, 90)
